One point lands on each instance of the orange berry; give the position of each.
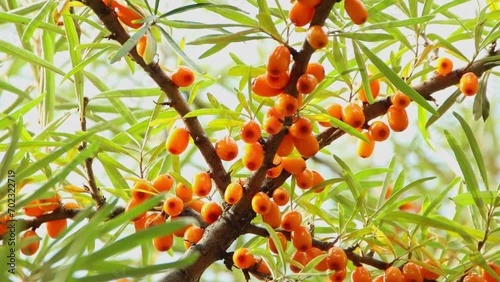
(398, 118)
(263, 271)
(140, 46)
(261, 203)
(250, 132)
(306, 83)
(177, 141)
(154, 219)
(163, 183)
(469, 84)
(196, 205)
(173, 206)
(317, 70)
(202, 184)
(379, 278)
(71, 206)
(253, 157)
(55, 227)
(379, 131)
(141, 190)
(272, 245)
(444, 66)
(317, 179)
(400, 100)
(226, 148)
(307, 146)
(126, 15)
(193, 235)
(356, 10)
(286, 146)
(427, 274)
(310, 3)
(243, 259)
(273, 217)
(487, 276)
(132, 204)
(281, 196)
(183, 77)
(183, 192)
(277, 169)
(304, 179)
(50, 204)
(374, 88)
(163, 243)
(393, 274)
(31, 248)
(301, 128)
(300, 15)
(272, 124)
(33, 209)
(140, 224)
(291, 220)
(277, 81)
(294, 165)
(335, 111)
(317, 37)
(286, 105)
(360, 274)
(301, 238)
(473, 277)
(365, 149)
(338, 276)
(179, 232)
(262, 88)
(210, 212)
(411, 273)
(312, 253)
(278, 61)
(301, 258)
(353, 115)
(233, 193)
(336, 258)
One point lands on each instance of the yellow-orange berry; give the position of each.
(243, 259)
(132, 204)
(277, 169)
(50, 204)
(163, 183)
(294, 165)
(55, 227)
(286, 146)
(33, 209)
(393, 274)
(183, 77)
(286, 105)
(262, 88)
(272, 245)
(179, 232)
(444, 66)
(202, 184)
(193, 235)
(250, 132)
(253, 156)
(336, 258)
(281, 196)
(360, 274)
(374, 88)
(233, 193)
(272, 124)
(356, 10)
(291, 220)
(32, 247)
(141, 222)
(306, 83)
(183, 192)
(163, 243)
(126, 15)
(473, 277)
(301, 238)
(338, 275)
(196, 205)
(154, 219)
(428, 274)
(301, 128)
(400, 100)
(317, 37)
(278, 61)
(140, 46)
(335, 111)
(141, 190)
(300, 14)
(317, 179)
(353, 115)
(277, 81)
(173, 206)
(379, 131)
(488, 276)
(304, 180)
(307, 146)
(398, 118)
(469, 84)
(261, 203)
(365, 149)
(273, 217)
(301, 258)
(210, 212)
(226, 148)
(314, 252)
(317, 70)
(177, 141)
(411, 273)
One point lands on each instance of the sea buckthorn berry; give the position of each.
(183, 192)
(163, 183)
(173, 206)
(310, 3)
(338, 276)
(317, 70)
(154, 219)
(183, 77)
(272, 245)
(3, 224)
(140, 46)
(360, 274)
(127, 15)
(353, 115)
(393, 274)
(286, 105)
(294, 165)
(374, 88)
(196, 205)
(141, 190)
(398, 118)
(301, 238)
(335, 111)
(193, 235)
(33, 209)
(250, 132)
(50, 204)
(300, 15)
(226, 148)
(272, 124)
(469, 84)
(317, 37)
(202, 184)
(277, 81)
(291, 220)
(177, 141)
(301, 258)
(473, 277)
(31, 248)
(400, 100)
(379, 131)
(411, 273)
(304, 179)
(71, 206)
(301, 128)
(379, 278)
(281, 196)
(263, 270)
(210, 212)
(243, 259)
(365, 149)
(163, 243)
(261, 203)
(262, 88)
(317, 179)
(179, 232)
(132, 204)
(488, 276)
(55, 227)
(314, 252)
(336, 258)
(306, 83)
(356, 10)
(273, 217)
(233, 193)
(140, 224)
(286, 146)
(411, 207)
(278, 61)
(444, 66)
(253, 156)
(277, 169)
(307, 146)
(428, 274)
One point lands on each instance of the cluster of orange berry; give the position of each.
(126, 15)
(486, 277)
(469, 83)
(302, 11)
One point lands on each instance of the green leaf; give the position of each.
(369, 37)
(179, 52)
(400, 23)
(84, 63)
(446, 44)
(35, 21)
(265, 21)
(481, 106)
(9, 119)
(9, 154)
(20, 20)
(192, 7)
(129, 93)
(204, 112)
(364, 74)
(129, 44)
(450, 101)
(467, 199)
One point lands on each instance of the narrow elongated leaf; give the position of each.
(35, 21)
(84, 63)
(129, 44)
(204, 112)
(369, 37)
(129, 93)
(7, 120)
(446, 44)
(9, 154)
(265, 21)
(450, 101)
(364, 74)
(179, 52)
(400, 23)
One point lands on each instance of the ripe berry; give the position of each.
(154, 219)
(55, 227)
(127, 16)
(286, 146)
(141, 222)
(301, 238)
(177, 141)
(173, 206)
(400, 100)
(393, 274)
(163, 183)
(411, 273)
(301, 258)
(253, 157)
(50, 204)
(163, 243)
(444, 66)
(304, 180)
(192, 236)
(314, 252)
(183, 77)
(278, 61)
(243, 259)
(311, 3)
(317, 70)
(428, 274)
(210, 212)
(469, 84)
(335, 111)
(226, 148)
(31, 248)
(398, 118)
(317, 179)
(301, 128)
(233, 193)
(338, 276)
(277, 169)
(196, 205)
(272, 124)
(141, 45)
(272, 245)
(273, 217)
(202, 184)
(277, 81)
(3, 224)
(379, 131)
(291, 220)
(365, 149)
(336, 258)
(141, 190)
(300, 15)
(33, 209)
(317, 37)
(356, 10)
(250, 132)
(132, 204)
(261, 203)
(353, 115)
(183, 192)
(473, 277)
(487, 276)
(374, 88)
(262, 88)
(179, 232)
(281, 196)
(307, 146)
(294, 165)
(306, 83)
(286, 105)
(360, 274)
